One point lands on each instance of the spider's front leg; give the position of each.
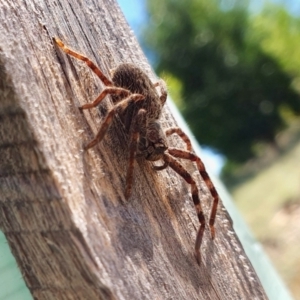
(201, 168)
(182, 135)
(178, 168)
(139, 121)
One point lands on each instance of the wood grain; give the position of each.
(63, 210)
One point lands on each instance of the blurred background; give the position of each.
(233, 70)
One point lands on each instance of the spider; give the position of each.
(139, 107)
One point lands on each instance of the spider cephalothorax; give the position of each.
(153, 145)
(139, 105)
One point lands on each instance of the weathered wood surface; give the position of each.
(63, 210)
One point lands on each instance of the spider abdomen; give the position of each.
(136, 81)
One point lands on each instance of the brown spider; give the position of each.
(139, 106)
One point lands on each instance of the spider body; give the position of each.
(152, 140)
(139, 105)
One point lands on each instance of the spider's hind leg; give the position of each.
(108, 90)
(81, 57)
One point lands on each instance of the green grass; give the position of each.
(270, 203)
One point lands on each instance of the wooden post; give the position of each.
(63, 210)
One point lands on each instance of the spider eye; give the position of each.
(160, 146)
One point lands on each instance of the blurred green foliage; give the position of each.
(236, 71)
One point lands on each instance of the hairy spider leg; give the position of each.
(162, 167)
(139, 121)
(163, 89)
(118, 108)
(105, 92)
(178, 168)
(89, 63)
(201, 168)
(182, 135)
